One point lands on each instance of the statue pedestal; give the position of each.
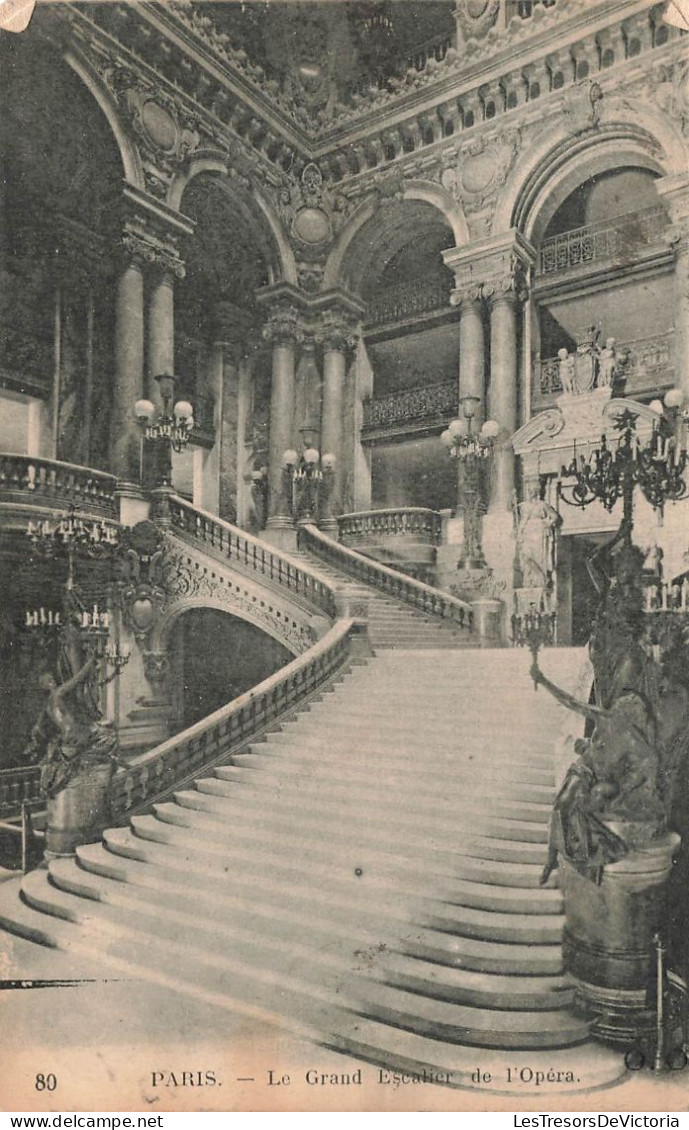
(79, 812)
(609, 938)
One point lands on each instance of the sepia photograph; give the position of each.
(344, 556)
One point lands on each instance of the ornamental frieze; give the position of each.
(190, 581)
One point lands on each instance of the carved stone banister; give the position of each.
(154, 774)
(251, 556)
(429, 600)
(26, 478)
(413, 523)
(17, 785)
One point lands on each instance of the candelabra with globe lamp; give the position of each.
(471, 449)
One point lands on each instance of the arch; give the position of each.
(129, 154)
(424, 191)
(284, 262)
(161, 635)
(559, 162)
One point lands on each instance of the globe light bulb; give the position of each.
(657, 406)
(183, 410)
(674, 398)
(458, 428)
(490, 430)
(289, 458)
(144, 410)
(328, 462)
(311, 456)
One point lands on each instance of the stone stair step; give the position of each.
(488, 990)
(356, 856)
(416, 833)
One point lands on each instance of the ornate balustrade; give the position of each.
(250, 555)
(371, 527)
(154, 774)
(47, 481)
(400, 303)
(395, 584)
(18, 785)
(618, 240)
(428, 404)
(646, 363)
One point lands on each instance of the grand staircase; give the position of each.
(367, 876)
(391, 623)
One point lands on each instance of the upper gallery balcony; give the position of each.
(411, 305)
(614, 243)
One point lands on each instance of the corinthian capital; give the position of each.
(338, 330)
(284, 325)
(141, 252)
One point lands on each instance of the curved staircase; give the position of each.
(367, 876)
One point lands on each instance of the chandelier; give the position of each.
(309, 474)
(169, 430)
(656, 464)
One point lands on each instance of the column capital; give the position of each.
(284, 325)
(137, 250)
(494, 269)
(338, 330)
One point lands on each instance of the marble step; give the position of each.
(230, 830)
(208, 944)
(385, 872)
(295, 886)
(387, 791)
(356, 856)
(138, 882)
(237, 815)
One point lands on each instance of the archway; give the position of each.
(230, 256)
(395, 264)
(215, 658)
(59, 189)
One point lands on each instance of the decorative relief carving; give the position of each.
(191, 579)
(582, 105)
(136, 249)
(284, 325)
(338, 330)
(475, 18)
(671, 86)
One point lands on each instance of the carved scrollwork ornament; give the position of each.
(475, 18)
(466, 295)
(141, 585)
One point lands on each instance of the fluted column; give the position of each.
(283, 330)
(338, 339)
(125, 449)
(502, 392)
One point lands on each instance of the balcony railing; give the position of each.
(18, 785)
(617, 241)
(644, 363)
(436, 402)
(47, 481)
(408, 300)
(251, 556)
(372, 527)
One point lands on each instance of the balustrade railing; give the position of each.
(370, 527)
(390, 581)
(46, 480)
(157, 772)
(436, 401)
(616, 240)
(399, 303)
(18, 785)
(643, 363)
(250, 555)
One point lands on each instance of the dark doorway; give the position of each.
(577, 595)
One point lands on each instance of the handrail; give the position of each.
(251, 554)
(601, 240)
(50, 478)
(395, 584)
(420, 521)
(156, 772)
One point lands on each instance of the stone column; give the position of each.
(502, 391)
(472, 349)
(338, 339)
(680, 247)
(283, 330)
(125, 449)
